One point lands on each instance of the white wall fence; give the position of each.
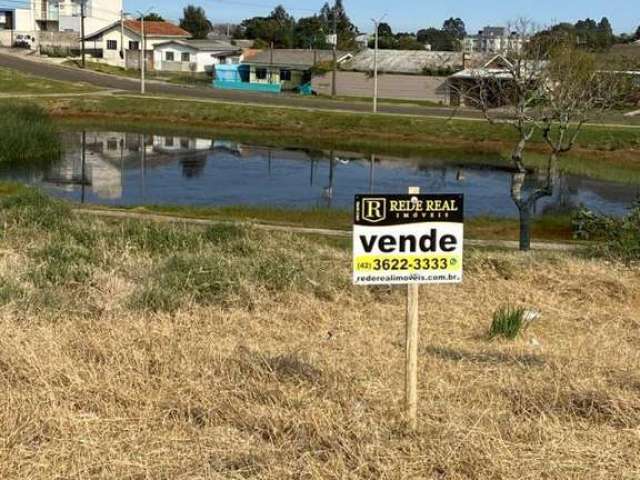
(392, 86)
(42, 40)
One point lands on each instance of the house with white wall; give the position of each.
(494, 40)
(59, 15)
(119, 44)
(195, 56)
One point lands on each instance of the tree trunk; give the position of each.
(524, 209)
(525, 226)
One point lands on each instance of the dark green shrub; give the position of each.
(615, 238)
(29, 137)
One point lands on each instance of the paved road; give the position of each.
(68, 74)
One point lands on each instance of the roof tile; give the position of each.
(157, 28)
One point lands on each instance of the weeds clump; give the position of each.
(216, 276)
(29, 136)
(278, 272)
(30, 208)
(10, 291)
(507, 322)
(61, 262)
(187, 278)
(154, 238)
(225, 233)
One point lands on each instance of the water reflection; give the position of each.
(116, 168)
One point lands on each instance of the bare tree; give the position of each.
(547, 89)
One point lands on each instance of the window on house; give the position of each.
(112, 44)
(184, 143)
(112, 144)
(186, 57)
(168, 142)
(261, 73)
(285, 75)
(134, 45)
(169, 57)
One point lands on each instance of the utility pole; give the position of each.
(82, 16)
(375, 69)
(376, 24)
(143, 59)
(335, 54)
(122, 50)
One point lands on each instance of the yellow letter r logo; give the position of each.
(374, 210)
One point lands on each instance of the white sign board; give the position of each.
(408, 239)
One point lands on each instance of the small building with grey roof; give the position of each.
(276, 70)
(408, 62)
(196, 56)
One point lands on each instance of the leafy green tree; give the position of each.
(605, 34)
(194, 20)
(309, 33)
(544, 40)
(281, 30)
(278, 29)
(384, 29)
(346, 30)
(408, 42)
(586, 34)
(455, 27)
(438, 39)
(152, 17)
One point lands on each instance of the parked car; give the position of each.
(24, 41)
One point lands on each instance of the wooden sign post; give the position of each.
(408, 239)
(411, 357)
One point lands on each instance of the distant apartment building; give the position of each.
(494, 40)
(59, 15)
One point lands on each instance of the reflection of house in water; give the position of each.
(171, 144)
(134, 168)
(97, 165)
(192, 152)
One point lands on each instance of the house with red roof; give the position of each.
(120, 43)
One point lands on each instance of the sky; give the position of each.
(411, 15)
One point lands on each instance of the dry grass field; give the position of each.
(140, 351)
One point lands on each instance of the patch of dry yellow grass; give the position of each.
(293, 385)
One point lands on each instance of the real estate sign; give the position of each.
(408, 239)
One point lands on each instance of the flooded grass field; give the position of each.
(131, 169)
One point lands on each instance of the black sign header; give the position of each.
(387, 210)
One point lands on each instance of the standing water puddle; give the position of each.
(118, 170)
